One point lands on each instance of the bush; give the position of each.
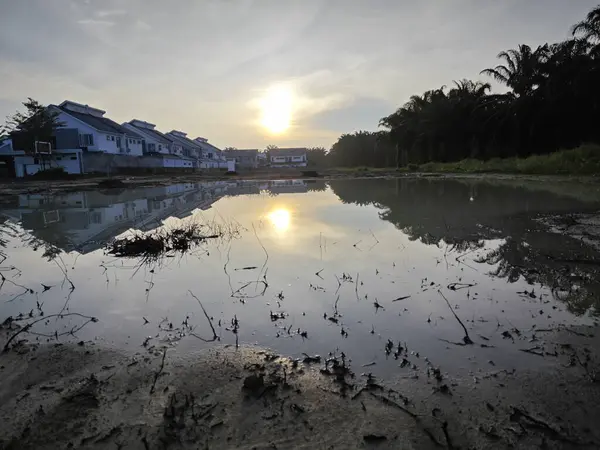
(55, 173)
(413, 167)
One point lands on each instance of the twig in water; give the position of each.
(401, 298)
(157, 374)
(466, 338)
(43, 318)
(372, 234)
(215, 336)
(458, 286)
(64, 271)
(319, 274)
(266, 254)
(356, 286)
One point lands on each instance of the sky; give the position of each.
(249, 73)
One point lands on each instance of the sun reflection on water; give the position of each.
(280, 218)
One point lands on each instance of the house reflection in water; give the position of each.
(84, 221)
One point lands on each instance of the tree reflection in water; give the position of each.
(466, 214)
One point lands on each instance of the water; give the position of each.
(360, 243)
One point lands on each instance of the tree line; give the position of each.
(552, 102)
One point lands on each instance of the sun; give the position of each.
(276, 109)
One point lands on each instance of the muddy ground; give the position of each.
(80, 395)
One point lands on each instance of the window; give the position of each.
(86, 140)
(107, 137)
(151, 147)
(73, 157)
(139, 142)
(159, 147)
(210, 155)
(112, 138)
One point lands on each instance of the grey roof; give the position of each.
(157, 135)
(100, 123)
(186, 142)
(287, 152)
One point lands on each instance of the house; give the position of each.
(213, 154)
(153, 141)
(190, 148)
(166, 151)
(96, 132)
(63, 152)
(288, 157)
(244, 159)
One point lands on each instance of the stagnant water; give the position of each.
(309, 267)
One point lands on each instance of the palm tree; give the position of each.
(521, 69)
(589, 28)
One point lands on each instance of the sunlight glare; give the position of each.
(276, 109)
(280, 218)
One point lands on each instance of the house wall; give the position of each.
(103, 142)
(26, 165)
(289, 161)
(148, 139)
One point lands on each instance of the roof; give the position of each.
(157, 135)
(184, 141)
(287, 152)
(241, 152)
(100, 123)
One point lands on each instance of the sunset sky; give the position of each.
(248, 73)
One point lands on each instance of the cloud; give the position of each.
(110, 13)
(96, 22)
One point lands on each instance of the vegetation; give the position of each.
(584, 160)
(37, 123)
(552, 102)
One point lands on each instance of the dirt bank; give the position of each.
(84, 396)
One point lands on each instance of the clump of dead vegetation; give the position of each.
(151, 246)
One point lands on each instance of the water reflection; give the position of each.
(465, 214)
(312, 250)
(280, 218)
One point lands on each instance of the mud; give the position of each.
(87, 396)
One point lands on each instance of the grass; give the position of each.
(583, 160)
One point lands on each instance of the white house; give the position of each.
(96, 132)
(153, 141)
(64, 154)
(214, 156)
(288, 157)
(191, 148)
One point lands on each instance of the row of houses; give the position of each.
(88, 142)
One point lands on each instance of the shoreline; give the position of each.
(89, 396)
(11, 188)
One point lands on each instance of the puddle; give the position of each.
(309, 267)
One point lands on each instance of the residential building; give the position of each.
(288, 157)
(157, 144)
(96, 132)
(244, 158)
(214, 155)
(189, 148)
(64, 153)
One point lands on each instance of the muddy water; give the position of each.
(311, 267)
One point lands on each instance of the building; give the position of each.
(189, 148)
(96, 132)
(244, 158)
(165, 150)
(212, 154)
(64, 153)
(288, 157)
